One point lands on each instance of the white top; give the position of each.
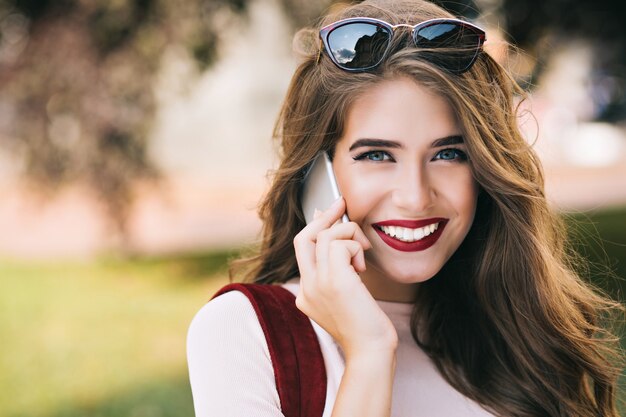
(231, 372)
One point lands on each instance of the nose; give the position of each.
(413, 192)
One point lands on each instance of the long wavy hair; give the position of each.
(508, 321)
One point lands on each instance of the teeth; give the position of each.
(409, 235)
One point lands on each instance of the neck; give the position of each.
(384, 288)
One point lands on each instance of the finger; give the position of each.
(358, 262)
(345, 253)
(326, 219)
(324, 250)
(341, 231)
(304, 249)
(357, 258)
(350, 230)
(305, 241)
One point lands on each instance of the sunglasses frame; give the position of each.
(327, 30)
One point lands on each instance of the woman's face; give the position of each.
(402, 168)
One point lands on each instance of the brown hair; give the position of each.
(507, 321)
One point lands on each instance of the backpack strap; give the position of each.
(294, 349)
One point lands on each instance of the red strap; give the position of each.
(294, 349)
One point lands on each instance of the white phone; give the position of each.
(319, 189)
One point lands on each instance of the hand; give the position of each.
(330, 255)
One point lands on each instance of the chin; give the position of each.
(409, 274)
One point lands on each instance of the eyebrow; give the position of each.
(384, 143)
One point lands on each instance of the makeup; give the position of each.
(393, 233)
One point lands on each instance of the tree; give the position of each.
(76, 77)
(599, 22)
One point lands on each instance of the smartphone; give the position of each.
(319, 188)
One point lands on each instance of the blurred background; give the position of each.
(135, 143)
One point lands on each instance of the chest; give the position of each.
(419, 390)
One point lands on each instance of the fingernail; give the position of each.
(316, 213)
(336, 202)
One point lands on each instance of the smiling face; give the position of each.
(402, 168)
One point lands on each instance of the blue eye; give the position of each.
(374, 156)
(451, 154)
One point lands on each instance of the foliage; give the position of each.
(77, 80)
(537, 26)
(600, 237)
(77, 77)
(76, 86)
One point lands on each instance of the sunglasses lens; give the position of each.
(358, 45)
(449, 45)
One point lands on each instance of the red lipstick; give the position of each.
(419, 245)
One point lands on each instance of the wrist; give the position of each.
(370, 366)
(377, 354)
(379, 348)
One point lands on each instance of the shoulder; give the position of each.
(227, 318)
(230, 369)
(223, 306)
(231, 311)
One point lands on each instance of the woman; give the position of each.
(450, 292)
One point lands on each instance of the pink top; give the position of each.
(231, 372)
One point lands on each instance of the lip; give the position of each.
(411, 224)
(418, 245)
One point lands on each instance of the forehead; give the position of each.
(402, 110)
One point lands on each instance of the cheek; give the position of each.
(357, 195)
(361, 193)
(463, 197)
(455, 186)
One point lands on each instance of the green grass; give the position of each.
(107, 339)
(100, 339)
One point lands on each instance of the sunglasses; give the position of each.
(360, 43)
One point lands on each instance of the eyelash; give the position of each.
(459, 157)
